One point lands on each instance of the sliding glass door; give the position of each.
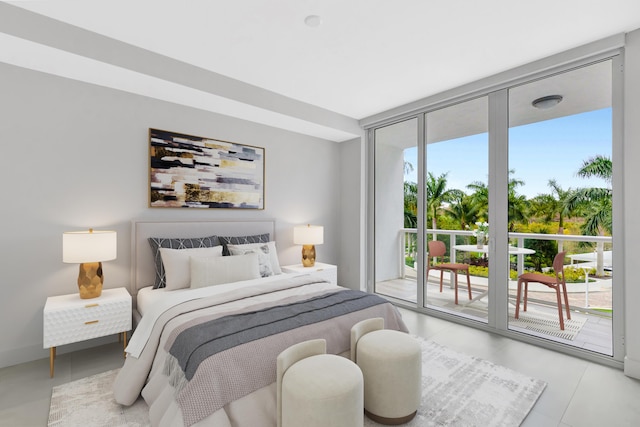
(456, 207)
(498, 184)
(560, 201)
(396, 210)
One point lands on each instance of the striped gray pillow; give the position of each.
(175, 243)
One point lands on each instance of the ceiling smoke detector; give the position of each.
(313, 21)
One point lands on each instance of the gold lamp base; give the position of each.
(308, 255)
(90, 280)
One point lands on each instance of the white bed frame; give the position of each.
(142, 268)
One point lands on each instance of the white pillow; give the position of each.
(176, 264)
(264, 260)
(273, 253)
(224, 269)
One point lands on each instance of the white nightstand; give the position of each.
(327, 272)
(69, 319)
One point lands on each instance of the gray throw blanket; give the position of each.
(217, 361)
(201, 341)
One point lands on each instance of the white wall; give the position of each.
(389, 215)
(631, 202)
(76, 156)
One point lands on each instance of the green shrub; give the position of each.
(576, 275)
(479, 271)
(572, 274)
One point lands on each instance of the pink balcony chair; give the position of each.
(438, 249)
(558, 283)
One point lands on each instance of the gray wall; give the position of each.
(75, 156)
(352, 217)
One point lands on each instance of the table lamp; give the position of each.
(308, 236)
(89, 248)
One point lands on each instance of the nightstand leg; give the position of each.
(124, 340)
(52, 356)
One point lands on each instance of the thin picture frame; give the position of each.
(187, 171)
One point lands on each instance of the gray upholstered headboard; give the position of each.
(142, 268)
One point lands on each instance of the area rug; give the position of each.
(89, 402)
(458, 390)
(547, 324)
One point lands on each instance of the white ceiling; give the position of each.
(366, 57)
(583, 89)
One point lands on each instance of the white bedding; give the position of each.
(147, 298)
(156, 303)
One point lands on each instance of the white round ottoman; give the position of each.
(391, 364)
(321, 391)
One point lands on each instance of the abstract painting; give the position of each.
(194, 172)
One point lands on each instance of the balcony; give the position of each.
(589, 286)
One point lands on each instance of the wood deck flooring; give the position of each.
(595, 335)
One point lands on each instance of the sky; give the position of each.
(538, 152)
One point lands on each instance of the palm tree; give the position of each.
(598, 166)
(463, 210)
(599, 217)
(480, 198)
(410, 205)
(518, 204)
(408, 167)
(553, 206)
(437, 193)
(597, 201)
(410, 215)
(410, 199)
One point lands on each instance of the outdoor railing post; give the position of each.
(452, 243)
(452, 258)
(520, 257)
(403, 255)
(600, 259)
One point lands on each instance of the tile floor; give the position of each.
(25, 389)
(579, 393)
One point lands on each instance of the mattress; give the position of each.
(147, 297)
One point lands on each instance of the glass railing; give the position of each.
(588, 257)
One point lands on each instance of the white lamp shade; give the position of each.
(89, 246)
(308, 235)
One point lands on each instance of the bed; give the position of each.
(204, 349)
